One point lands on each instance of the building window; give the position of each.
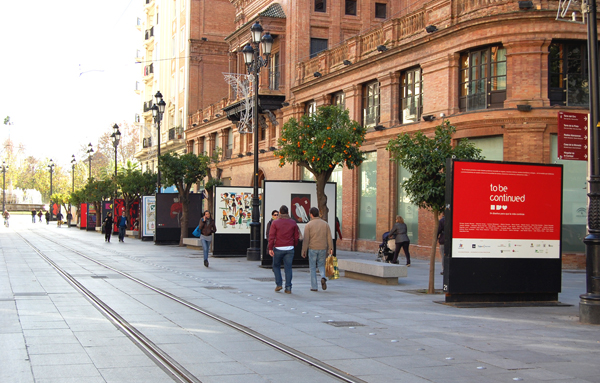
(492, 148)
(568, 71)
(574, 208)
(228, 144)
(380, 10)
(181, 40)
(316, 46)
(320, 5)
(274, 72)
(350, 7)
(412, 95)
(310, 107)
(367, 199)
(339, 99)
(371, 104)
(407, 210)
(482, 79)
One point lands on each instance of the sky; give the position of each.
(67, 72)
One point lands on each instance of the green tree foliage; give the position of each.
(425, 158)
(183, 171)
(76, 198)
(62, 199)
(134, 184)
(98, 191)
(320, 142)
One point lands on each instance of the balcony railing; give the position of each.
(148, 106)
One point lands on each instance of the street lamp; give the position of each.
(589, 303)
(157, 111)
(4, 168)
(254, 62)
(73, 162)
(89, 152)
(51, 168)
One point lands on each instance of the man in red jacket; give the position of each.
(283, 237)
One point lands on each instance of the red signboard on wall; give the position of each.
(506, 210)
(572, 136)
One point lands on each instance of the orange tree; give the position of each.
(320, 142)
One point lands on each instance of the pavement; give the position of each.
(50, 333)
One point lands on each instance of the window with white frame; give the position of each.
(371, 104)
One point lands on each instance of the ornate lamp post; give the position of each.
(254, 62)
(4, 168)
(51, 169)
(157, 111)
(89, 152)
(116, 136)
(73, 162)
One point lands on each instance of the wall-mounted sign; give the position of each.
(572, 136)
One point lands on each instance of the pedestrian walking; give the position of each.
(399, 233)
(440, 238)
(47, 218)
(69, 218)
(122, 226)
(6, 216)
(317, 242)
(283, 237)
(40, 216)
(33, 213)
(207, 227)
(108, 226)
(59, 218)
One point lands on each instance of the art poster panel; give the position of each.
(233, 209)
(149, 215)
(300, 207)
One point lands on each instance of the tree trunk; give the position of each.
(431, 288)
(321, 196)
(185, 202)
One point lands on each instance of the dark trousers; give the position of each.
(122, 233)
(107, 234)
(403, 246)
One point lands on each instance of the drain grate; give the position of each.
(218, 287)
(264, 279)
(344, 324)
(99, 276)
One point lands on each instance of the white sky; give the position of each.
(54, 110)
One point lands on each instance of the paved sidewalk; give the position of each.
(49, 333)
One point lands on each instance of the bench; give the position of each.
(193, 243)
(372, 271)
(132, 233)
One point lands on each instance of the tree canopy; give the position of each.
(319, 142)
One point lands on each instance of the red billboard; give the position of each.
(572, 136)
(506, 210)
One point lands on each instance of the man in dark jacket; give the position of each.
(122, 225)
(283, 237)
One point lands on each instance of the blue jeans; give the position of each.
(205, 247)
(316, 258)
(122, 233)
(287, 256)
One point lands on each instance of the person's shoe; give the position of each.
(278, 288)
(206, 263)
(314, 289)
(324, 283)
(408, 265)
(441, 273)
(288, 291)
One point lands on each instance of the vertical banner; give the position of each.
(148, 215)
(572, 136)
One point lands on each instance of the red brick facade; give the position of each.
(462, 26)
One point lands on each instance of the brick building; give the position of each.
(499, 70)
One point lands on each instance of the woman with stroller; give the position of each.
(399, 233)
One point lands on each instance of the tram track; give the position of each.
(161, 358)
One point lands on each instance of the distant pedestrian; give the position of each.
(440, 238)
(69, 218)
(283, 237)
(33, 213)
(59, 218)
(274, 216)
(400, 233)
(317, 241)
(108, 226)
(122, 226)
(47, 218)
(40, 216)
(207, 227)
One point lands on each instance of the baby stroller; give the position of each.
(384, 254)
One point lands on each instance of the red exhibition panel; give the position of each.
(506, 210)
